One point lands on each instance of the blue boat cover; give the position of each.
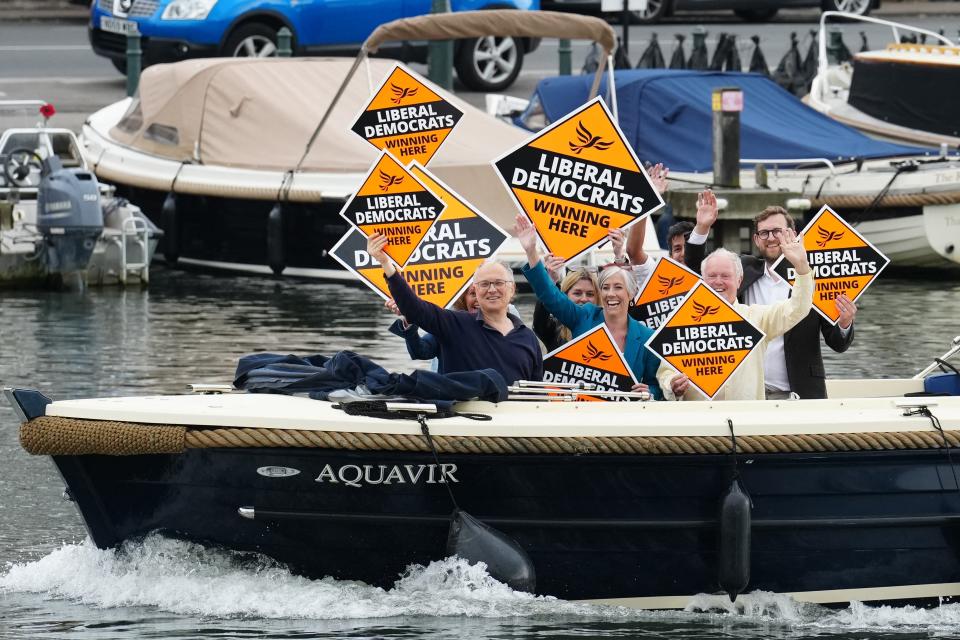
(666, 116)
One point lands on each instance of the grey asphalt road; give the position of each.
(54, 61)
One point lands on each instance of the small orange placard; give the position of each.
(705, 339)
(842, 260)
(662, 292)
(407, 118)
(577, 179)
(592, 359)
(392, 201)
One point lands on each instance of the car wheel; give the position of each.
(755, 15)
(856, 7)
(491, 63)
(253, 40)
(656, 9)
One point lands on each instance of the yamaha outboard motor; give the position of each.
(68, 215)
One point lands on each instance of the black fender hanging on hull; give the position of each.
(506, 560)
(171, 231)
(275, 257)
(733, 560)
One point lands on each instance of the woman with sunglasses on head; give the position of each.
(616, 290)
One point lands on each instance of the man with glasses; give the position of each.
(793, 363)
(490, 338)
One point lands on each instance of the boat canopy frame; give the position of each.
(477, 24)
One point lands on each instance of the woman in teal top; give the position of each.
(617, 290)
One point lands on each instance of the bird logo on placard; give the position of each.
(387, 180)
(594, 354)
(668, 283)
(703, 310)
(588, 141)
(399, 93)
(827, 236)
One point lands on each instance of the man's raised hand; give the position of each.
(707, 211)
(794, 251)
(375, 247)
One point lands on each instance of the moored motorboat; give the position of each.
(851, 498)
(210, 147)
(900, 93)
(905, 200)
(57, 222)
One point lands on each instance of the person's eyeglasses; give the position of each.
(766, 233)
(484, 285)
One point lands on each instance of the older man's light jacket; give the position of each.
(774, 320)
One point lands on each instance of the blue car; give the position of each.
(174, 30)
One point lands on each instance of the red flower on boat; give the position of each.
(47, 111)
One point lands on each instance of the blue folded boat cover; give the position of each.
(666, 117)
(318, 375)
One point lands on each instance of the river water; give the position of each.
(192, 328)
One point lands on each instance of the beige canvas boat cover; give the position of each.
(502, 22)
(259, 114)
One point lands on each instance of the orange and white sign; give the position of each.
(577, 179)
(705, 339)
(444, 262)
(407, 117)
(662, 292)
(592, 359)
(842, 260)
(392, 201)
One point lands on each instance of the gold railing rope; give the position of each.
(69, 436)
(889, 200)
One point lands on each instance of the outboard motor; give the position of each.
(68, 215)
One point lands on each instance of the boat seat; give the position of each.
(872, 388)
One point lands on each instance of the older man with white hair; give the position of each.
(723, 272)
(490, 338)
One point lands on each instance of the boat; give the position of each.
(210, 147)
(900, 93)
(903, 199)
(58, 224)
(640, 504)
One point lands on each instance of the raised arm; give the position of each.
(429, 316)
(783, 316)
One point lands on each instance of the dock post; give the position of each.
(726, 104)
(284, 43)
(564, 52)
(134, 63)
(440, 56)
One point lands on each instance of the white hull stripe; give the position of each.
(831, 596)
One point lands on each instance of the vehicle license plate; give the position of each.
(115, 25)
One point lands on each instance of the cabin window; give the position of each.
(132, 120)
(163, 134)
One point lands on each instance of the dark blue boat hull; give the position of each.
(595, 526)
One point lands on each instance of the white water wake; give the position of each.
(189, 579)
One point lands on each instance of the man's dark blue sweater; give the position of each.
(466, 342)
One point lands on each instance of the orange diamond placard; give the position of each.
(842, 260)
(705, 339)
(662, 292)
(407, 117)
(392, 201)
(442, 265)
(593, 359)
(577, 179)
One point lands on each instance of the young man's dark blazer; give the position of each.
(802, 343)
